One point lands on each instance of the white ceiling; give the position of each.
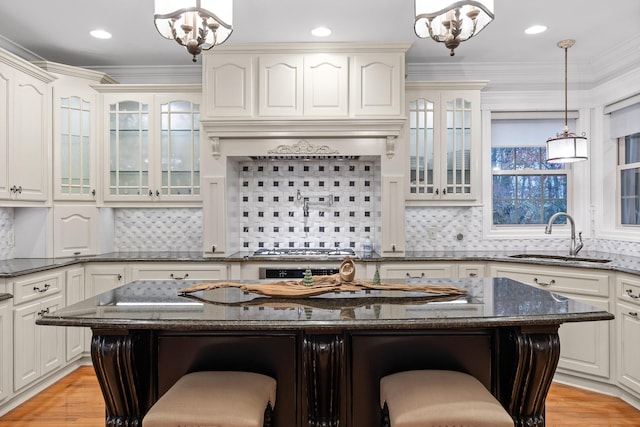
(58, 31)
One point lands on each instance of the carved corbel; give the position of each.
(215, 146)
(391, 146)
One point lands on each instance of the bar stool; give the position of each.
(215, 398)
(427, 398)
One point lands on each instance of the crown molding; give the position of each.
(149, 88)
(154, 74)
(68, 70)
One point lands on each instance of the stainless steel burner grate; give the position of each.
(305, 252)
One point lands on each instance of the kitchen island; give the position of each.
(327, 353)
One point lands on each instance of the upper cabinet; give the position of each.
(24, 132)
(294, 81)
(75, 138)
(151, 143)
(444, 142)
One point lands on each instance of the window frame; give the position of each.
(621, 166)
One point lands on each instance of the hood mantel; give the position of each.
(304, 128)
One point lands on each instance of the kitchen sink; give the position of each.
(561, 258)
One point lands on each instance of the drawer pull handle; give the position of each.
(630, 293)
(551, 282)
(473, 274)
(633, 314)
(119, 277)
(43, 312)
(415, 277)
(186, 275)
(37, 289)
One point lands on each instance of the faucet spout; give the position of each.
(574, 247)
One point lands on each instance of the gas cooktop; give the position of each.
(305, 252)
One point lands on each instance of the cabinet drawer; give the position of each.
(557, 279)
(629, 290)
(31, 287)
(417, 271)
(178, 272)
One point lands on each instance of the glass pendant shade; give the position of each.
(195, 24)
(566, 148)
(452, 22)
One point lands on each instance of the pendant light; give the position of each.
(566, 147)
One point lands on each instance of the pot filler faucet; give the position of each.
(574, 248)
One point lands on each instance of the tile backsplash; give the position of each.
(7, 243)
(292, 203)
(171, 229)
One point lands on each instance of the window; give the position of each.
(629, 173)
(525, 189)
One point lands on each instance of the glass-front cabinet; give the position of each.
(152, 147)
(444, 143)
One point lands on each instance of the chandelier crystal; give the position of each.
(566, 147)
(452, 22)
(195, 24)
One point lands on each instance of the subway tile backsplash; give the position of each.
(297, 203)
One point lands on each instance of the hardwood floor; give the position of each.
(76, 401)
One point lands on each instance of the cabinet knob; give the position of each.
(150, 193)
(119, 277)
(93, 192)
(43, 312)
(444, 191)
(538, 282)
(157, 193)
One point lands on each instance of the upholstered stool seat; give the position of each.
(215, 399)
(427, 398)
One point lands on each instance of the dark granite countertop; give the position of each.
(489, 302)
(4, 297)
(621, 263)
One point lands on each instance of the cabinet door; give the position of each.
(76, 338)
(411, 270)
(214, 222)
(280, 82)
(103, 278)
(377, 84)
(75, 230)
(128, 137)
(6, 344)
(51, 338)
(178, 271)
(178, 160)
(227, 86)
(584, 346)
(29, 149)
(424, 147)
(326, 85)
(74, 142)
(26, 346)
(629, 346)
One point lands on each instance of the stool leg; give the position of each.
(268, 416)
(384, 412)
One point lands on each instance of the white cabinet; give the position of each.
(585, 346)
(227, 85)
(104, 277)
(443, 162)
(37, 350)
(178, 271)
(628, 337)
(393, 215)
(471, 269)
(6, 345)
(25, 149)
(75, 230)
(152, 145)
(76, 338)
(214, 221)
(416, 270)
(304, 80)
(378, 82)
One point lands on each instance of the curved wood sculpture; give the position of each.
(343, 281)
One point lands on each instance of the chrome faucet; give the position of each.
(574, 248)
(305, 206)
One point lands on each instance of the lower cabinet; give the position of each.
(104, 277)
(585, 346)
(77, 339)
(628, 318)
(38, 350)
(410, 270)
(6, 344)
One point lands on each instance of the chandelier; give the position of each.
(452, 22)
(566, 147)
(193, 23)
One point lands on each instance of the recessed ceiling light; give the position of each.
(321, 32)
(100, 34)
(535, 29)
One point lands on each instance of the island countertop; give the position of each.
(488, 302)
